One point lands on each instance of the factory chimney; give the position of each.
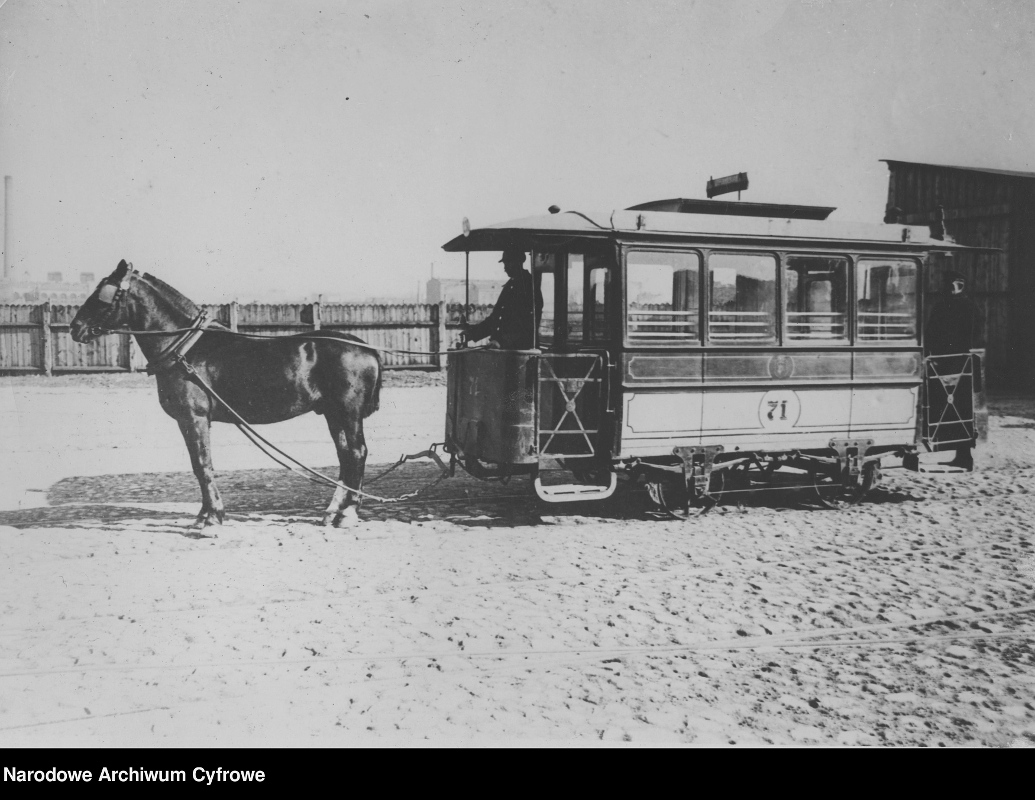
(7, 227)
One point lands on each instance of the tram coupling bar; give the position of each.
(698, 462)
(851, 455)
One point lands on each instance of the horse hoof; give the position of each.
(201, 529)
(207, 519)
(328, 519)
(348, 519)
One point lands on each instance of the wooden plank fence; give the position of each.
(36, 338)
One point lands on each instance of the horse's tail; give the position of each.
(373, 400)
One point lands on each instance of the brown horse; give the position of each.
(264, 380)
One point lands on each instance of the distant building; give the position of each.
(55, 290)
(451, 290)
(986, 208)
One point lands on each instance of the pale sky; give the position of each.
(240, 148)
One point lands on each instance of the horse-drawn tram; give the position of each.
(712, 349)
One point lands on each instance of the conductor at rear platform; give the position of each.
(954, 321)
(951, 332)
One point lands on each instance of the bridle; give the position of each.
(112, 295)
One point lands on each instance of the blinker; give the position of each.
(106, 294)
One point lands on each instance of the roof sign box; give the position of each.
(730, 183)
(735, 208)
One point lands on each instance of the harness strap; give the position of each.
(178, 349)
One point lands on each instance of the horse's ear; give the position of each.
(120, 271)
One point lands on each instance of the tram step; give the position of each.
(572, 492)
(914, 463)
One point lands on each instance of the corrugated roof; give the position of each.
(1005, 172)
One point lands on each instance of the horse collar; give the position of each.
(175, 353)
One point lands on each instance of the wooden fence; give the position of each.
(36, 338)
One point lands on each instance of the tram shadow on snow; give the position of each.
(170, 500)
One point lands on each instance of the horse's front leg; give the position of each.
(196, 433)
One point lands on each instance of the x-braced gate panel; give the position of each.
(949, 416)
(569, 411)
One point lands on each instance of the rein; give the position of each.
(113, 295)
(201, 323)
(213, 325)
(299, 469)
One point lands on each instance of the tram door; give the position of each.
(572, 417)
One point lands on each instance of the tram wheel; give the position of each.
(831, 491)
(672, 497)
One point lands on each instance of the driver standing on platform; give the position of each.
(515, 317)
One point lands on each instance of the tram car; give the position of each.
(711, 349)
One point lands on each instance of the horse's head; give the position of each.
(106, 308)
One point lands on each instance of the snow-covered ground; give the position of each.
(475, 616)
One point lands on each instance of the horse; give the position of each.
(263, 380)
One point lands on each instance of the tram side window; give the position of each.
(589, 286)
(886, 298)
(742, 298)
(545, 266)
(662, 297)
(575, 297)
(598, 284)
(817, 299)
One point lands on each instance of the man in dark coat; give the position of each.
(515, 317)
(951, 331)
(953, 321)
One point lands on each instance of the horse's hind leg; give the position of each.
(196, 432)
(338, 435)
(346, 427)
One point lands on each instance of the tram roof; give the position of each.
(555, 230)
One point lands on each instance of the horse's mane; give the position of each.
(172, 295)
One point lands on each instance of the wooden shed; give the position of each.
(985, 208)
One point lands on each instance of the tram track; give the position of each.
(921, 484)
(540, 660)
(825, 637)
(933, 494)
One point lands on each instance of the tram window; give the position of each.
(886, 298)
(817, 299)
(544, 269)
(662, 297)
(742, 297)
(589, 290)
(576, 296)
(546, 327)
(598, 281)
